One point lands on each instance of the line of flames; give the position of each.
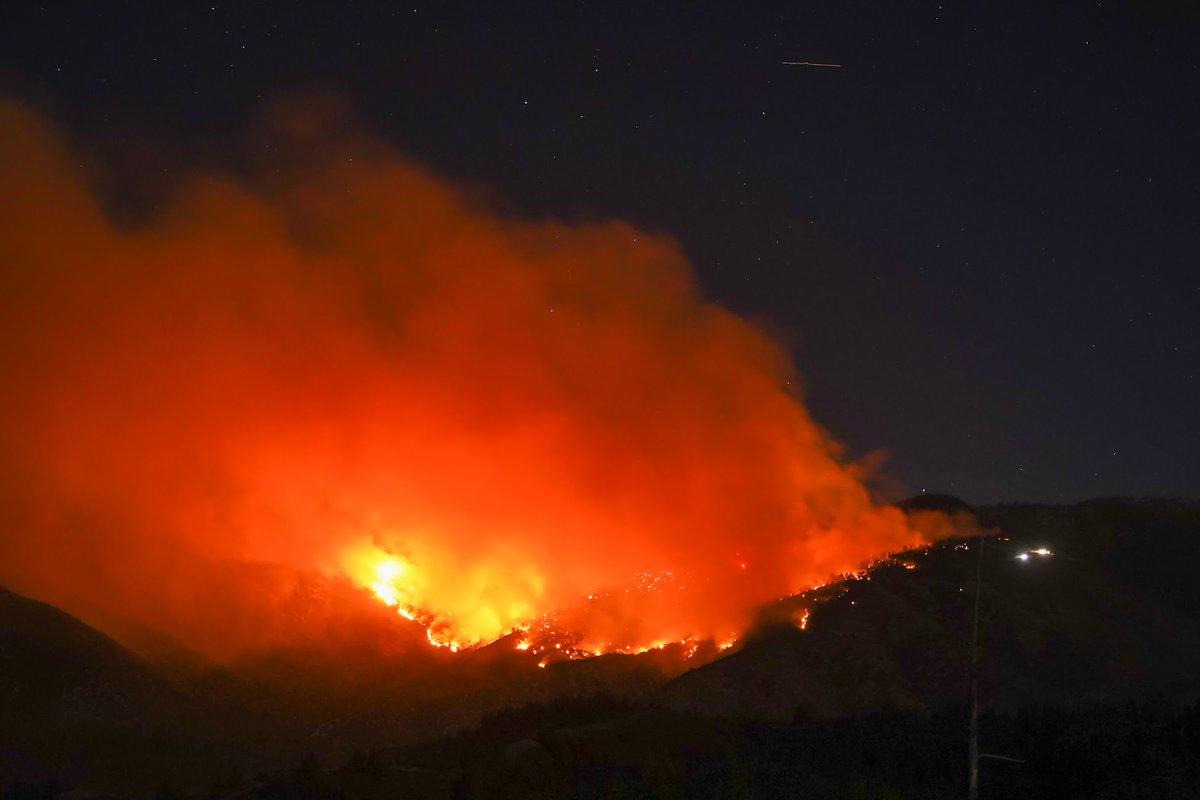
(546, 638)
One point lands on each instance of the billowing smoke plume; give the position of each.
(349, 375)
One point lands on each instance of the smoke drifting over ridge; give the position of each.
(349, 376)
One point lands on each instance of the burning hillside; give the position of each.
(345, 370)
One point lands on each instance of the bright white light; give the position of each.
(1040, 551)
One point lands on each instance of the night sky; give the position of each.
(978, 236)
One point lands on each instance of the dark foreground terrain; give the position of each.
(604, 749)
(1090, 674)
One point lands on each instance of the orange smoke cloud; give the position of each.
(348, 378)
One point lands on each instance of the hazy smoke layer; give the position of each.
(277, 383)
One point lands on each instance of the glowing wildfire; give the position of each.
(561, 633)
(234, 419)
(564, 633)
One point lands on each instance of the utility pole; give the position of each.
(973, 680)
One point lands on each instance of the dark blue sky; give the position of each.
(979, 236)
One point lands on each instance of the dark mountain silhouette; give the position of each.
(72, 696)
(946, 503)
(53, 665)
(1112, 615)
(83, 709)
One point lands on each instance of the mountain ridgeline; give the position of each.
(1109, 615)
